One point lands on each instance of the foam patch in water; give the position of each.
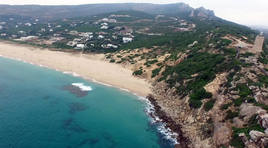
(82, 86)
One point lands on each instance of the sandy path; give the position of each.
(89, 66)
(257, 48)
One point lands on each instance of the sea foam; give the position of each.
(160, 125)
(71, 73)
(82, 86)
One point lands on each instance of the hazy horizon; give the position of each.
(246, 12)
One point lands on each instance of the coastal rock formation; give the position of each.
(248, 110)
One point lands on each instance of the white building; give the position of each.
(28, 24)
(104, 24)
(100, 37)
(80, 46)
(127, 39)
(86, 34)
(112, 46)
(73, 32)
(21, 32)
(104, 27)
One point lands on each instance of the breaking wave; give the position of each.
(160, 125)
(82, 86)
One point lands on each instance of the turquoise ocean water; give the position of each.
(40, 108)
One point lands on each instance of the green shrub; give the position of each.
(155, 72)
(263, 80)
(150, 62)
(225, 106)
(236, 141)
(250, 100)
(244, 91)
(200, 94)
(231, 115)
(112, 60)
(209, 105)
(247, 54)
(195, 103)
(137, 72)
(238, 101)
(197, 96)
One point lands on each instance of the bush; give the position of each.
(231, 115)
(238, 101)
(225, 106)
(195, 103)
(244, 91)
(200, 94)
(250, 100)
(209, 105)
(112, 61)
(137, 72)
(197, 96)
(236, 141)
(263, 80)
(155, 72)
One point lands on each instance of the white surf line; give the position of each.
(82, 87)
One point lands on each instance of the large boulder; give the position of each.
(256, 135)
(263, 120)
(238, 122)
(247, 110)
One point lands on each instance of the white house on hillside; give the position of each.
(127, 39)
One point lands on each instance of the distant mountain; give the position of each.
(60, 12)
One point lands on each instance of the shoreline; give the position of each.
(89, 67)
(168, 127)
(170, 124)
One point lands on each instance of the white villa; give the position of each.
(127, 39)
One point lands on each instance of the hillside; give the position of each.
(209, 74)
(60, 12)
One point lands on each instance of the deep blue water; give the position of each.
(37, 111)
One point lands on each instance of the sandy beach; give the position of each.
(92, 67)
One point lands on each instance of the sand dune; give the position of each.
(87, 66)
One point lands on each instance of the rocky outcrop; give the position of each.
(238, 122)
(263, 120)
(170, 123)
(248, 110)
(203, 13)
(256, 135)
(195, 124)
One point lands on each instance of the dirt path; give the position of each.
(257, 48)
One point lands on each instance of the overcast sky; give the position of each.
(248, 12)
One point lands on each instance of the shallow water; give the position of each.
(41, 108)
